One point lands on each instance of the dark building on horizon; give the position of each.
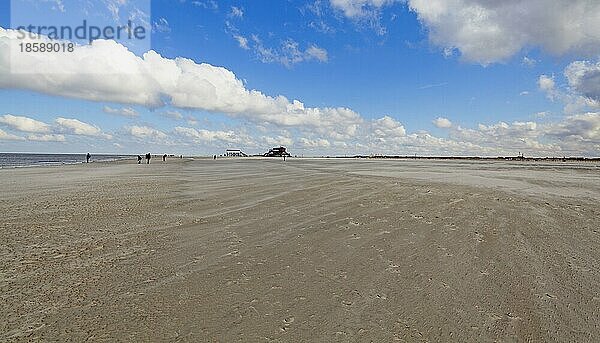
(278, 152)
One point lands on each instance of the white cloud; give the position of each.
(277, 141)
(5, 136)
(153, 81)
(582, 92)
(442, 123)
(547, 85)
(44, 132)
(359, 8)
(207, 136)
(314, 52)
(236, 12)
(123, 111)
(388, 127)
(573, 135)
(584, 79)
(77, 127)
(289, 53)
(147, 133)
(365, 13)
(242, 41)
(314, 143)
(206, 4)
(578, 127)
(181, 84)
(46, 138)
(488, 31)
(25, 124)
(178, 116)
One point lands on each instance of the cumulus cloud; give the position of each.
(582, 92)
(123, 111)
(24, 124)
(44, 132)
(388, 127)
(491, 31)
(106, 71)
(277, 141)
(147, 133)
(578, 127)
(442, 123)
(314, 143)
(208, 136)
(80, 128)
(5, 136)
(546, 83)
(573, 135)
(584, 79)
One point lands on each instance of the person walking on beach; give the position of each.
(164, 157)
(139, 159)
(148, 157)
(87, 158)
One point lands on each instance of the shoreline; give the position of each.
(481, 160)
(114, 158)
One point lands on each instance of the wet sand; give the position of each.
(307, 250)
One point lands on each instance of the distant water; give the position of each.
(32, 160)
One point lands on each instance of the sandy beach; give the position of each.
(310, 250)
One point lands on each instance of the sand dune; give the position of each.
(306, 250)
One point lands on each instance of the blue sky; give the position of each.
(397, 65)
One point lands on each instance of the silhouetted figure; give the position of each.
(148, 157)
(214, 157)
(87, 158)
(164, 157)
(139, 159)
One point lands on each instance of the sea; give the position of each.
(15, 160)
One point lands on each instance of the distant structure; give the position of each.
(519, 157)
(278, 152)
(235, 153)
